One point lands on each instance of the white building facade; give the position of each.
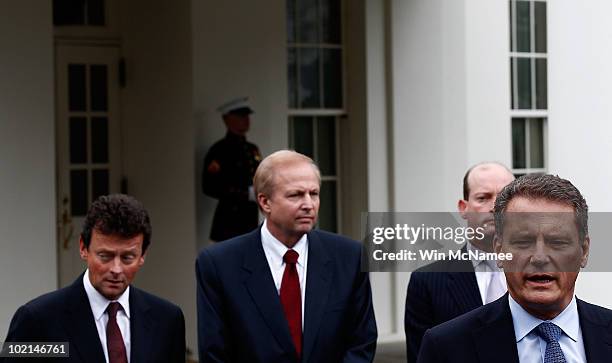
(396, 98)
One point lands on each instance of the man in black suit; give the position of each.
(448, 288)
(542, 222)
(285, 292)
(103, 317)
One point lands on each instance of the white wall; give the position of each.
(449, 104)
(239, 49)
(158, 144)
(27, 156)
(580, 112)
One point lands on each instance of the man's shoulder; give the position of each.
(230, 249)
(469, 322)
(51, 301)
(335, 241)
(595, 313)
(155, 302)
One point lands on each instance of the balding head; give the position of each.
(492, 166)
(264, 179)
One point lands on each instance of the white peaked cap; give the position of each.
(237, 105)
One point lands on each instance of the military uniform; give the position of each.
(229, 167)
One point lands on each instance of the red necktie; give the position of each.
(114, 340)
(291, 298)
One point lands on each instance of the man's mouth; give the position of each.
(540, 279)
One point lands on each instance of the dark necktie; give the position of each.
(551, 334)
(291, 298)
(114, 340)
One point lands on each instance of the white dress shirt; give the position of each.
(486, 271)
(98, 304)
(531, 348)
(275, 250)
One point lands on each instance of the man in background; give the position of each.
(446, 289)
(227, 175)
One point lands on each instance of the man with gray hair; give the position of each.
(541, 220)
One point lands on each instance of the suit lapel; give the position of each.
(463, 287)
(596, 333)
(318, 283)
(495, 340)
(81, 327)
(260, 286)
(142, 327)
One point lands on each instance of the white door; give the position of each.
(88, 142)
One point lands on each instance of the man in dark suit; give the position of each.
(227, 174)
(101, 315)
(448, 288)
(285, 292)
(542, 222)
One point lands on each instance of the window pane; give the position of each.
(99, 87)
(541, 84)
(518, 143)
(78, 192)
(307, 20)
(100, 183)
(512, 85)
(78, 140)
(292, 80)
(330, 21)
(326, 144)
(523, 39)
(76, 87)
(68, 12)
(332, 78)
(328, 208)
(536, 143)
(309, 93)
(302, 135)
(524, 82)
(95, 12)
(540, 26)
(512, 26)
(99, 139)
(291, 37)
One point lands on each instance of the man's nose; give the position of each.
(116, 266)
(540, 256)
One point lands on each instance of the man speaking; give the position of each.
(542, 222)
(285, 292)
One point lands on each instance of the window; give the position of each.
(79, 12)
(315, 79)
(528, 85)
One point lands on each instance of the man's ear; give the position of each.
(461, 207)
(497, 248)
(264, 202)
(586, 245)
(83, 249)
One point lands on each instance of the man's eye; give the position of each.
(104, 256)
(128, 258)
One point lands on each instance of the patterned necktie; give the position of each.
(291, 299)
(551, 334)
(114, 340)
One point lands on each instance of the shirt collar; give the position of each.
(524, 323)
(277, 249)
(490, 264)
(99, 303)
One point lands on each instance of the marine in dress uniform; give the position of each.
(229, 167)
